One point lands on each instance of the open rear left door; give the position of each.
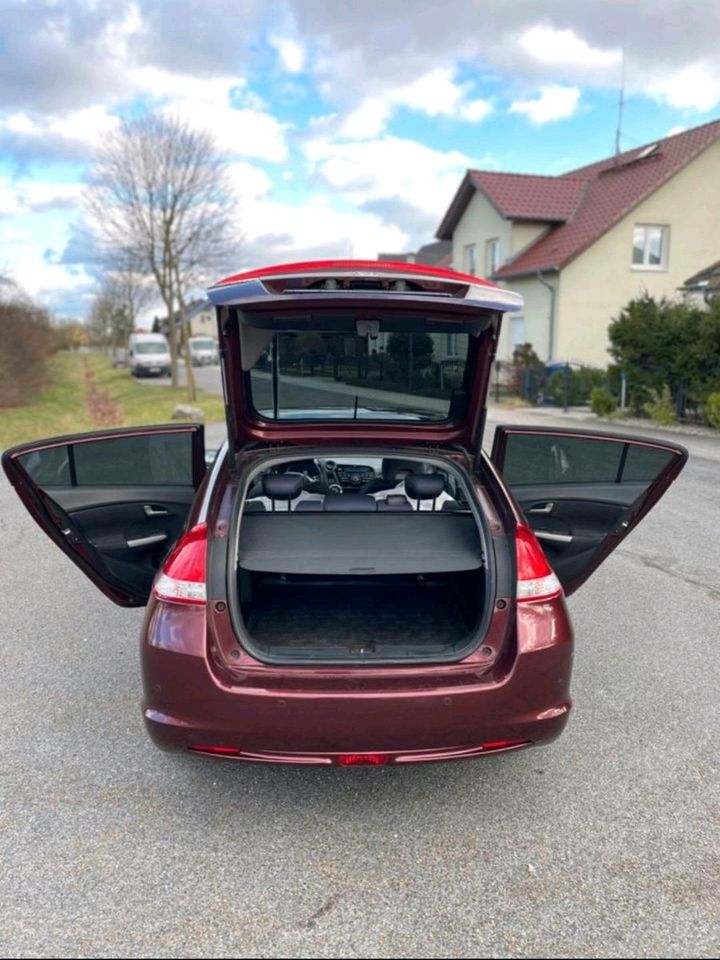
(114, 501)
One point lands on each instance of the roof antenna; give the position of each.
(621, 102)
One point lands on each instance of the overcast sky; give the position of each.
(348, 124)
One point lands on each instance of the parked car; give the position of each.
(148, 355)
(203, 351)
(353, 580)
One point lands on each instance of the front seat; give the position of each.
(393, 471)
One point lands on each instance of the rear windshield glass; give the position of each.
(153, 347)
(393, 375)
(206, 344)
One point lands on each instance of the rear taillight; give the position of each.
(363, 759)
(182, 576)
(535, 577)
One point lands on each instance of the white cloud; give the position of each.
(208, 103)
(389, 167)
(23, 196)
(678, 128)
(554, 103)
(695, 87)
(278, 231)
(87, 126)
(435, 93)
(291, 53)
(249, 183)
(368, 120)
(565, 47)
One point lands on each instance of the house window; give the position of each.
(518, 331)
(650, 247)
(470, 259)
(492, 256)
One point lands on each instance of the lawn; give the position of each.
(60, 407)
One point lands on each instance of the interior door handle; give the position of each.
(151, 511)
(146, 541)
(553, 537)
(542, 508)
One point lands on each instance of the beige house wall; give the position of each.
(598, 283)
(479, 223)
(204, 323)
(523, 233)
(535, 316)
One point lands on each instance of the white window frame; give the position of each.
(470, 259)
(517, 326)
(664, 247)
(492, 255)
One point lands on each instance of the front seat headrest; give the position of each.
(394, 470)
(283, 486)
(424, 486)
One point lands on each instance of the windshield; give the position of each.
(155, 347)
(207, 344)
(395, 375)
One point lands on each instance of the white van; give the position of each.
(203, 351)
(148, 355)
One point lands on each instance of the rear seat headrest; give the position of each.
(349, 503)
(424, 486)
(284, 486)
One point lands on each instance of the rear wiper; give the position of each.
(355, 408)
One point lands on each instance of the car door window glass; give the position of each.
(552, 459)
(143, 460)
(644, 463)
(147, 460)
(48, 468)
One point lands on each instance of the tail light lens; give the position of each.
(182, 576)
(536, 580)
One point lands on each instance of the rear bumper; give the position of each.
(314, 716)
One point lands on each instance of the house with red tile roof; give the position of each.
(579, 246)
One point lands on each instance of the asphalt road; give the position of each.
(604, 844)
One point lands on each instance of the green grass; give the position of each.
(141, 403)
(59, 407)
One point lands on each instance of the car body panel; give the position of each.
(313, 715)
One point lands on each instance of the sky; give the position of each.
(347, 124)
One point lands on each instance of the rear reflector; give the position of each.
(215, 751)
(182, 576)
(536, 580)
(502, 744)
(363, 759)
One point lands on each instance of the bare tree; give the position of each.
(124, 293)
(159, 194)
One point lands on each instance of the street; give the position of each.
(602, 844)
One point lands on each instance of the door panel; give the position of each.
(115, 502)
(582, 492)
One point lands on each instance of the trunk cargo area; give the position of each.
(390, 618)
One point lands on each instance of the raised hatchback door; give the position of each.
(357, 351)
(115, 501)
(582, 492)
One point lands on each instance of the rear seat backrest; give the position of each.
(349, 503)
(396, 502)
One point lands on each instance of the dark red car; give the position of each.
(353, 580)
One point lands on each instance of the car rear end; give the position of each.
(205, 692)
